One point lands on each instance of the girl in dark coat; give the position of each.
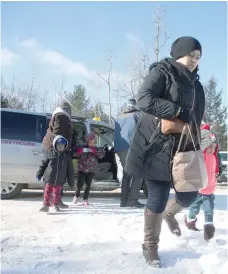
(55, 169)
(167, 93)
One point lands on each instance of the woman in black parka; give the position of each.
(167, 93)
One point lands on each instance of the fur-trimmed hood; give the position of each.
(56, 139)
(60, 110)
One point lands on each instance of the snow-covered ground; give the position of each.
(102, 238)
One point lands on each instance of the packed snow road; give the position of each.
(102, 238)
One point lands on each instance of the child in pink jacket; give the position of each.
(88, 156)
(206, 196)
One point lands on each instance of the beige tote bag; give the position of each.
(189, 171)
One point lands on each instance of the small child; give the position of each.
(55, 169)
(87, 163)
(206, 196)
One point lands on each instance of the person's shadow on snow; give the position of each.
(98, 209)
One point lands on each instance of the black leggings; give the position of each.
(84, 178)
(158, 195)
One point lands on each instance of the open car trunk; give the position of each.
(106, 169)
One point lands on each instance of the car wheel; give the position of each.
(10, 190)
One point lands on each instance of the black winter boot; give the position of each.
(209, 231)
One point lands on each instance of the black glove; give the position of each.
(185, 115)
(38, 177)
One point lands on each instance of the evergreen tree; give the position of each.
(4, 102)
(215, 112)
(79, 101)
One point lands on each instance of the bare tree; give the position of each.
(159, 28)
(31, 95)
(118, 91)
(122, 88)
(127, 88)
(107, 80)
(44, 101)
(61, 91)
(139, 65)
(19, 97)
(59, 95)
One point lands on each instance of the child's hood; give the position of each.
(56, 139)
(207, 138)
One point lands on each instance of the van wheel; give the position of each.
(145, 190)
(10, 190)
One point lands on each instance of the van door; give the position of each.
(22, 135)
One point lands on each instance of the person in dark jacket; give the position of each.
(167, 93)
(60, 124)
(124, 130)
(55, 169)
(87, 163)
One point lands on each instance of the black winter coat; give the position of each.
(56, 168)
(168, 86)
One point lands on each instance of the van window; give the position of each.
(104, 132)
(22, 126)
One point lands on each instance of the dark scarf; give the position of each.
(179, 71)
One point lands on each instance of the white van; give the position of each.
(22, 133)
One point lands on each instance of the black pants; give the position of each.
(131, 186)
(158, 195)
(84, 178)
(125, 187)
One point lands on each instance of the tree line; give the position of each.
(215, 112)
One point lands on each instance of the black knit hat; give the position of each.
(183, 46)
